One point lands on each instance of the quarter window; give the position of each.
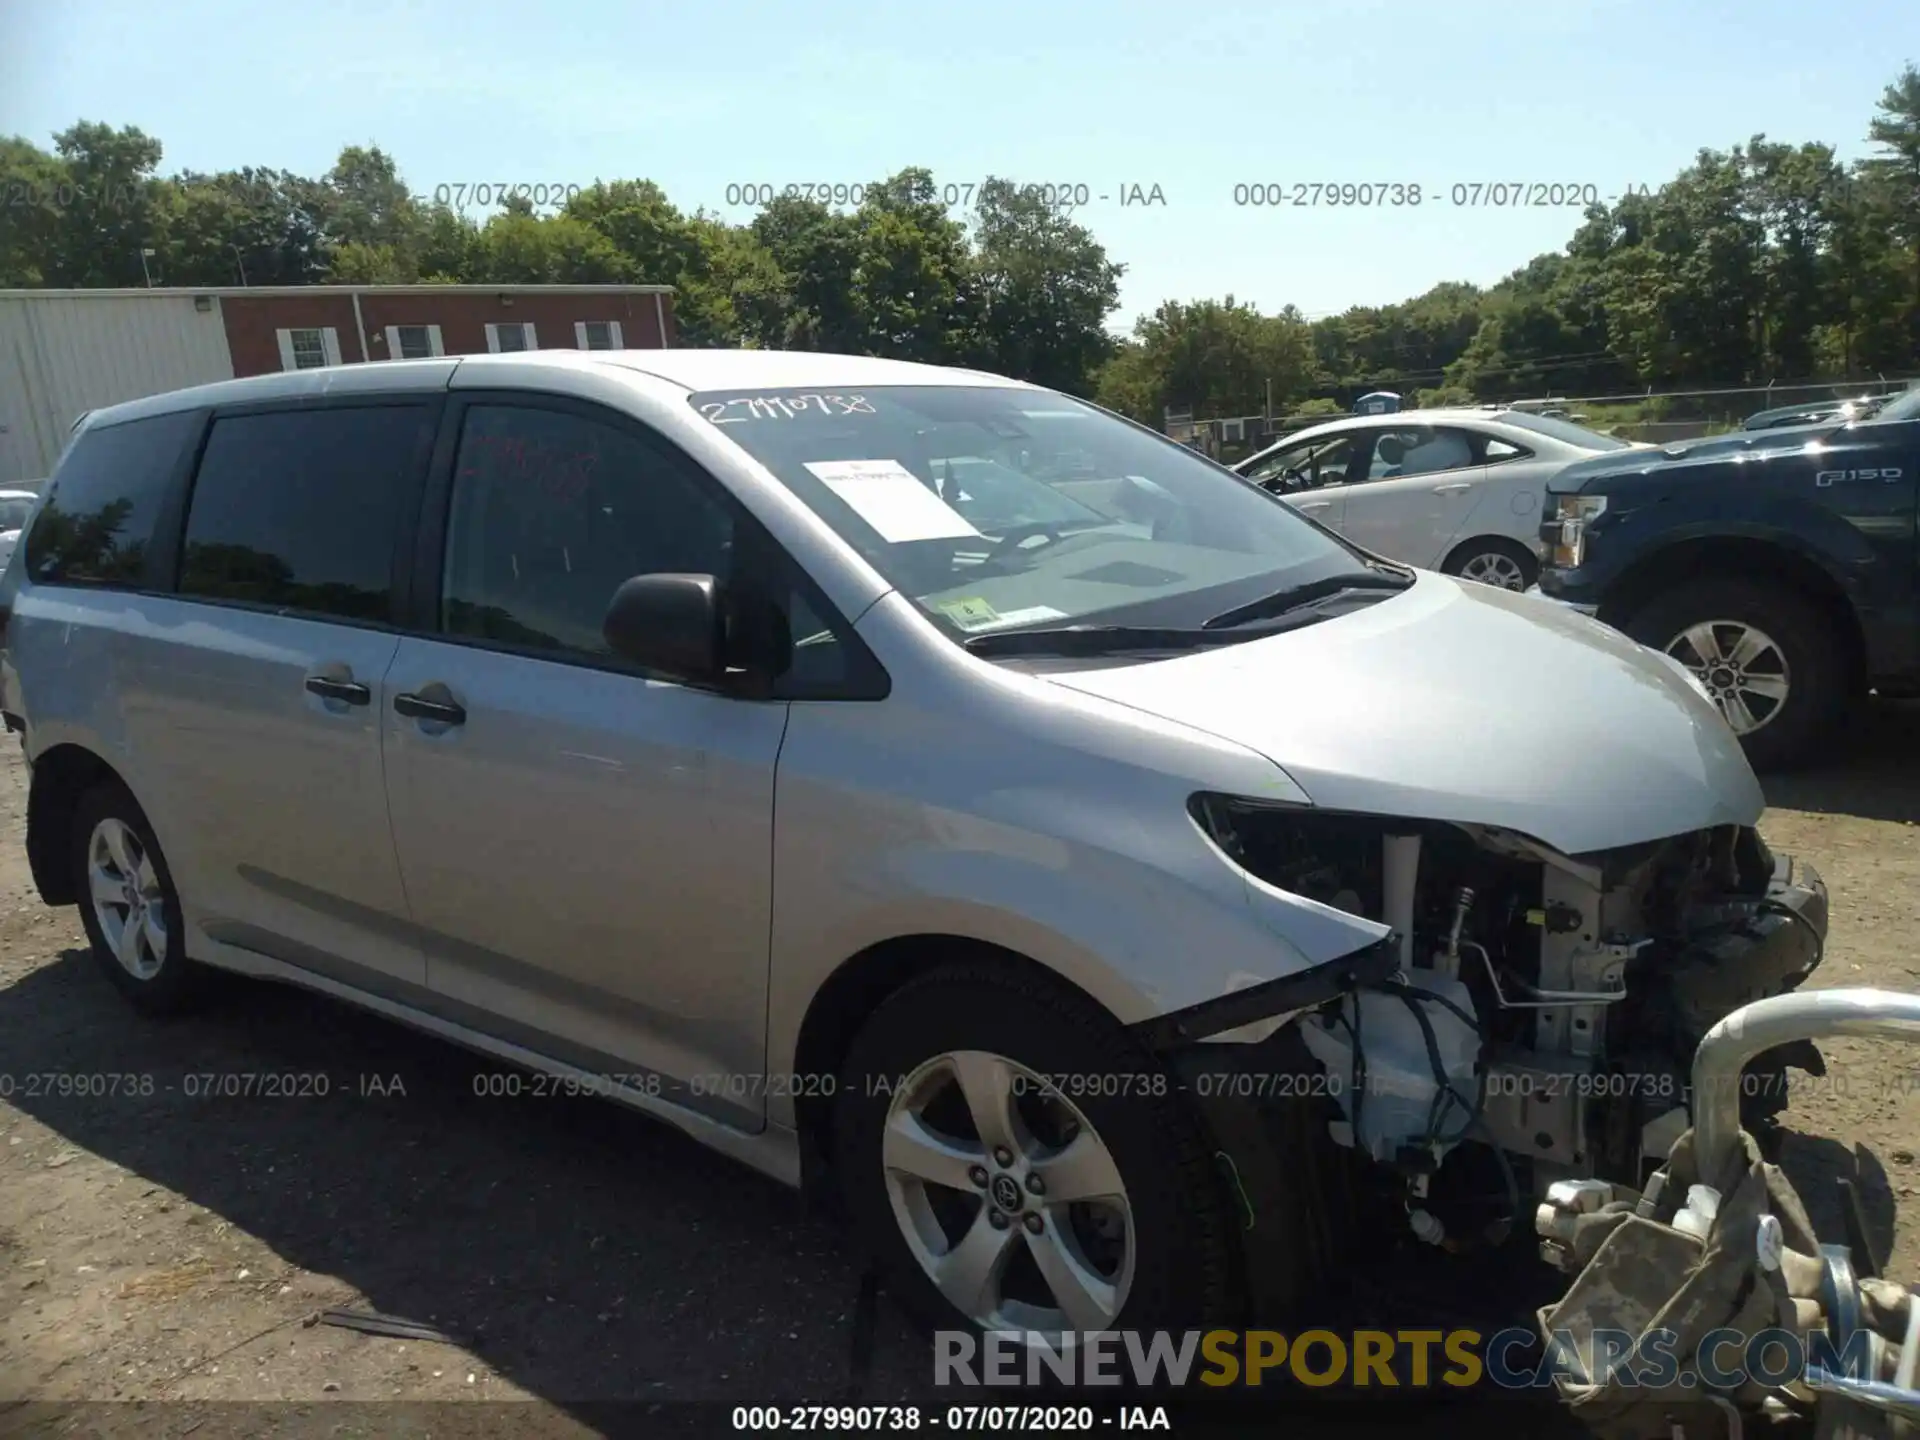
(298, 510)
(98, 519)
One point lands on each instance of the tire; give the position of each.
(1803, 659)
(1490, 556)
(112, 839)
(1171, 1266)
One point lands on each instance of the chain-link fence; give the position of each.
(1658, 416)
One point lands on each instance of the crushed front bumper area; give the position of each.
(1273, 1110)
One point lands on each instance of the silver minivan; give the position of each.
(1117, 891)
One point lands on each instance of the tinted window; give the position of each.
(551, 512)
(298, 510)
(98, 520)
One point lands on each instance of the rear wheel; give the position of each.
(1768, 658)
(1503, 564)
(1013, 1161)
(128, 904)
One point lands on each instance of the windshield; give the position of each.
(1564, 431)
(14, 511)
(997, 507)
(1906, 407)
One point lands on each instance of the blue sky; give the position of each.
(1192, 99)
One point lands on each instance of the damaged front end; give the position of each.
(1529, 1017)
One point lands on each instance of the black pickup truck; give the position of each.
(1782, 567)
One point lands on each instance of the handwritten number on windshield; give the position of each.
(783, 407)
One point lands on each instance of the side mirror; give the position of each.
(687, 628)
(668, 623)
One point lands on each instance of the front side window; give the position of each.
(14, 512)
(996, 507)
(551, 512)
(298, 510)
(104, 501)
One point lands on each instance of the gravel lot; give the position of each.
(166, 1251)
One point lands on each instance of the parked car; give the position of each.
(1458, 491)
(1777, 565)
(1044, 870)
(16, 505)
(1816, 412)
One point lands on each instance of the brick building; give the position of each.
(65, 352)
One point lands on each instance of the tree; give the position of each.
(1044, 289)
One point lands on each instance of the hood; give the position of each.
(1740, 445)
(1460, 702)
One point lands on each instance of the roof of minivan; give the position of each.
(692, 370)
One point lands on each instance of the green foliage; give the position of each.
(1766, 261)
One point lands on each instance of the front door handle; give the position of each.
(328, 688)
(1453, 487)
(419, 707)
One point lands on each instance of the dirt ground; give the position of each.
(163, 1252)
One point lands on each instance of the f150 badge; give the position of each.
(1847, 477)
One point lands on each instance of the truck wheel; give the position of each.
(1491, 560)
(1011, 1160)
(128, 905)
(1769, 659)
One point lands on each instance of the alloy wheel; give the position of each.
(1742, 667)
(1493, 567)
(1007, 1197)
(127, 900)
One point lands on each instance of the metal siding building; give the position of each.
(65, 352)
(62, 355)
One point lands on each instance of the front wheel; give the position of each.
(1012, 1161)
(1768, 658)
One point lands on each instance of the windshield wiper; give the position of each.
(1268, 607)
(1091, 640)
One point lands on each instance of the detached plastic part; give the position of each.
(1399, 1094)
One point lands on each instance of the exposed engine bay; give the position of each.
(1539, 1018)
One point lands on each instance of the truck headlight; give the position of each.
(1574, 513)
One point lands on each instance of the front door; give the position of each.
(587, 850)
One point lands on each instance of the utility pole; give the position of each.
(144, 253)
(239, 261)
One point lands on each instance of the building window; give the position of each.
(597, 335)
(502, 339)
(413, 342)
(313, 348)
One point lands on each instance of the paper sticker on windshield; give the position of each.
(893, 500)
(975, 614)
(969, 614)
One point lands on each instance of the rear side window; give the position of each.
(298, 510)
(97, 523)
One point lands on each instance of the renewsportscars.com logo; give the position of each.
(1512, 1359)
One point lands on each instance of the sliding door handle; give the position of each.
(330, 689)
